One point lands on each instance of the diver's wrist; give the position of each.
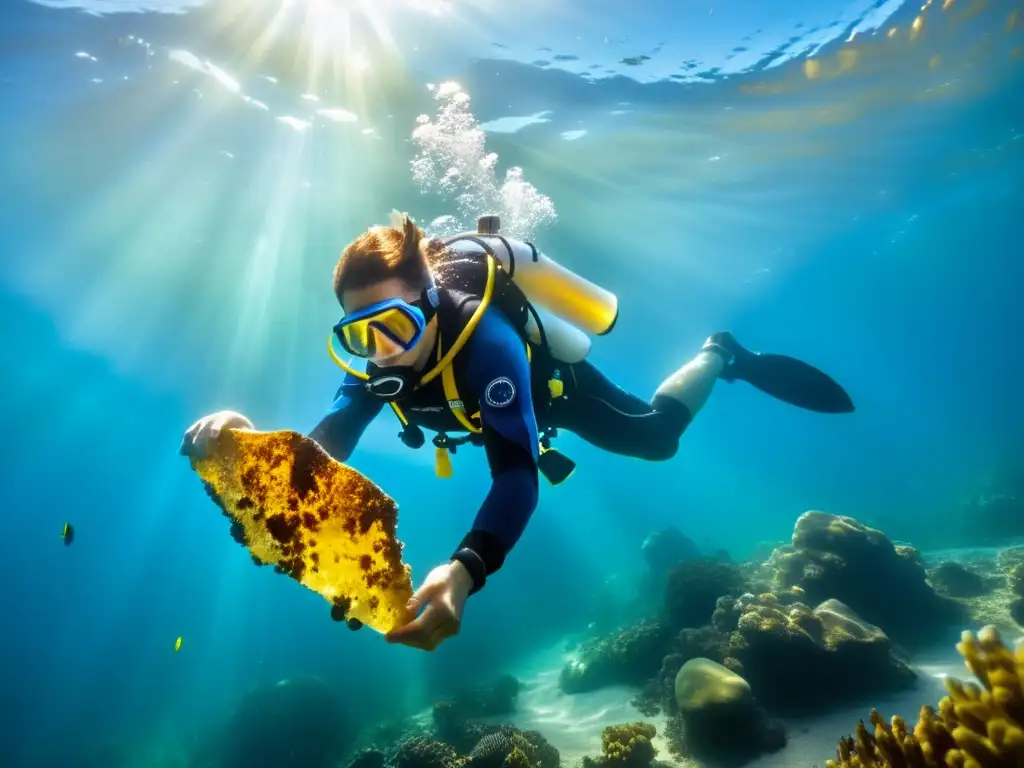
(461, 578)
(469, 569)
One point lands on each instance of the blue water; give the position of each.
(168, 246)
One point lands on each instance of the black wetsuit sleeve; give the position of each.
(498, 376)
(344, 423)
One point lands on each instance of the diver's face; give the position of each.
(390, 354)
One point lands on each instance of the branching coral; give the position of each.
(507, 746)
(423, 752)
(625, 746)
(976, 726)
(629, 744)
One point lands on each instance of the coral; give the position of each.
(518, 759)
(721, 720)
(837, 557)
(955, 580)
(625, 746)
(423, 752)
(786, 652)
(506, 746)
(693, 588)
(666, 548)
(627, 656)
(977, 725)
(659, 693)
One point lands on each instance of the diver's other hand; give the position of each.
(441, 598)
(200, 435)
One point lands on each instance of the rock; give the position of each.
(722, 720)
(955, 580)
(837, 557)
(704, 685)
(666, 548)
(659, 693)
(800, 661)
(693, 589)
(629, 656)
(1008, 558)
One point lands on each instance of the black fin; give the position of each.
(793, 381)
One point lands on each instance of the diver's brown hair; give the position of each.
(385, 252)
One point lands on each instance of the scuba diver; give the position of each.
(482, 339)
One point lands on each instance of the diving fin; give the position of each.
(784, 378)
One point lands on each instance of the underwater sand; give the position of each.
(573, 724)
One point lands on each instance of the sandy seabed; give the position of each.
(573, 724)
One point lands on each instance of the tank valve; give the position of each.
(488, 225)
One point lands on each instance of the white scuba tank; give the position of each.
(569, 306)
(567, 343)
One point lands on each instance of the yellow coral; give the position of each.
(974, 727)
(517, 759)
(629, 744)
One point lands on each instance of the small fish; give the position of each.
(177, 645)
(69, 534)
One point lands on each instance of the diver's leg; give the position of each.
(784, 378)
(609, 417)
(614, 420)
(691, 385)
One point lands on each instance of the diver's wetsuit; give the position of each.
(592, 407)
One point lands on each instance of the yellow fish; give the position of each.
(177, 645)
(68, 535)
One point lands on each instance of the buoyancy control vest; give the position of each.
(470, 281)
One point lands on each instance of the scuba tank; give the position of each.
(570, 306)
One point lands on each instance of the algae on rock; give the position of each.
(832, 556)
(720, 720)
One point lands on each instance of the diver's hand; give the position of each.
(200, 435)
(441, 597)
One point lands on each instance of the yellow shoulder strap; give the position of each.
(446, 371)
(444, 364)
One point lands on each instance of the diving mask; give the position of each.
(387, 328)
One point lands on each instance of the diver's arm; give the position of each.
(498, 374)
(351, 412)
